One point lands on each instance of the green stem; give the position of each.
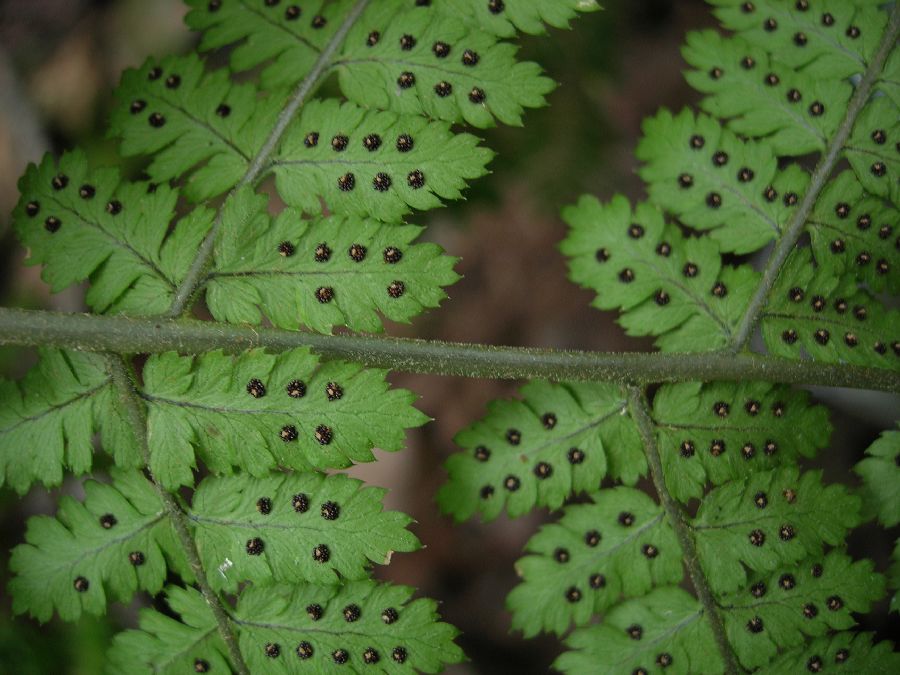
(640, 413)
(819, 179)
(193, 280)
(136, 416)
(127, 335)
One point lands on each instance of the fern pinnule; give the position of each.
(535, 452)
(619, 546)
(292, 528)
(718, 432)
(305, 416)
(89, 224)
(118, 540)
(279, 266)
(666, 285)
(54, 412)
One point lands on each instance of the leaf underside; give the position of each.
(118, 541)
(292, 528)
(259, 411)
(293, 628)
(278, 534)
(727, 181)
(48, 420)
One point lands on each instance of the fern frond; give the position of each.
(619, 546)
(168, 645)
(666, 284)
(47, 421)
(321, 273)
(767, 520)
(293, 527)
(723, 431)
(259, 411)
(880, 472)
(780, 610)
(850, 652)
(82, 224)
(794, 79)
(119, 540)
(829, 318)
(535, 452)
(361, 626)
(664, 631)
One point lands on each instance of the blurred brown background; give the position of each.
(60, 60)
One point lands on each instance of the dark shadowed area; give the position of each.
(59, 62)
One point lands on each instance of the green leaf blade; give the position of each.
(783, 608)
(712, 180)
(183, 116)
(851, 235)
(47, 421)
(755, 100)
(535, 452)
(170, 645)
(621, 545)
(671, 631)
(116, 542)
(293, 527)
(87, 224)
(769, 519)
(363, 623)
(830, 319)
(286, 40)
(869, 150)
(880, 473)
(304, 415)
(406, 72)
(321, 273)
(853, 652)
(722, 431)
(830, 49)
(665, 284)
(325, 154)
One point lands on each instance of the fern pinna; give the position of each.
(221, 498)
(760, 540)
